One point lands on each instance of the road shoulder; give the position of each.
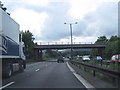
(81, 79)
(94, 81)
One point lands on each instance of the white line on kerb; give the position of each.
(7, 85)
(37, 70)
(81, 79)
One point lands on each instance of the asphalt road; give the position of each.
(44, 75)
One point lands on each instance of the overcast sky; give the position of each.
(45, 18)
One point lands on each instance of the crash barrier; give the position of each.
(115, 75)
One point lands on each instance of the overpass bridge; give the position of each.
(65, 46)
(43, 46)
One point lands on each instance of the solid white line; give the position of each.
(37, 70)
(81, 79)
(7, 85)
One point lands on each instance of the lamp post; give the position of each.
(71, 37)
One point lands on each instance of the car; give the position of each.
(115, 58)
(99, 58)
(85, 58)
(60, 59)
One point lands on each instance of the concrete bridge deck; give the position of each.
(68, 46)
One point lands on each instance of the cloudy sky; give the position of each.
(46, 18)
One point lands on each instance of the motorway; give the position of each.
(44, 75)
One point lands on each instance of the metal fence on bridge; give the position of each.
(62, 43)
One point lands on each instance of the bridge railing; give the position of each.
(62, 43)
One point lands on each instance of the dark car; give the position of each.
(60, 59)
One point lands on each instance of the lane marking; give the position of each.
(37, 70)
(7, 85)
(80, 78)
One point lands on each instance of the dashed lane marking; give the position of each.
(37, 70)
(7, 85)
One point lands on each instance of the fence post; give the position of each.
(114, 81)
(79, 66)
(94, 73)
(84, 69)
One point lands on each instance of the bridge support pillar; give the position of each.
(38, 54)
(101, 52)
(41, 55)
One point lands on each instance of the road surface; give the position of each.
(44, 75)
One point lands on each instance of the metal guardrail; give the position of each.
(113, 74)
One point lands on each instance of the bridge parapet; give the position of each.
(62, 43)
(68, 46)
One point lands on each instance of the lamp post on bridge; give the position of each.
(71, 37)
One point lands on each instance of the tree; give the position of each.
(27, 38)
(113, 38)
(113, 47)
(51, 54)
(101, 40)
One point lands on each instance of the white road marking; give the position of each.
(37, 70)
(7, 85)
(81, 79)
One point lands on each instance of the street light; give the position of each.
(71, 36)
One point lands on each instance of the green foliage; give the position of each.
(113, 38)
(81, 53)
(51, 54)
(101, 40)
(28, 39)
(113, 47)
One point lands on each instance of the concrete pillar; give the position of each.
(100, 52)
(41, 55)
(36, 52)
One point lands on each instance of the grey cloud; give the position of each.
(55, 28)
(102, 21)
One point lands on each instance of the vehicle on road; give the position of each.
(85, 58)
(60, 59)
(11, 45)
(99, 58)
(115, 58)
